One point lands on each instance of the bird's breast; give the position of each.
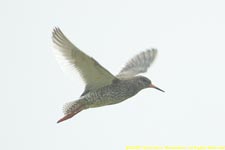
(108, 95)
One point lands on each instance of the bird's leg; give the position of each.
(70, 115)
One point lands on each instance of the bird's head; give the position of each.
(146, 83)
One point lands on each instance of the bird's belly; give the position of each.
(108, 96)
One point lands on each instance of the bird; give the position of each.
(102, 87)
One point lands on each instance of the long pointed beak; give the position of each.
(155, 87)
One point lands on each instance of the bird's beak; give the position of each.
(155, 87)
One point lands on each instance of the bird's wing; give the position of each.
(138, 64)
(94, 75)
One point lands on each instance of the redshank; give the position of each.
(102, 88)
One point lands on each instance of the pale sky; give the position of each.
(189, 36)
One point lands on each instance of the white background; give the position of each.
(190, 38)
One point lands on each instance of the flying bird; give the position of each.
(102, 87)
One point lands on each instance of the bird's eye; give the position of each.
(144, 80)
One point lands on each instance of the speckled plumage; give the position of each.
(102, 88)
(117, 92)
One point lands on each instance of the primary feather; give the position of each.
(138, 64)
(94, 75)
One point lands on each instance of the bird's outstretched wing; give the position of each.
(138, 64)
(94, 75)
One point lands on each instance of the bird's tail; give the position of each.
(70, 109)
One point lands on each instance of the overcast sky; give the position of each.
(189, 36)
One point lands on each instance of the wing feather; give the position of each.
(94, 75)
(138, 64)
